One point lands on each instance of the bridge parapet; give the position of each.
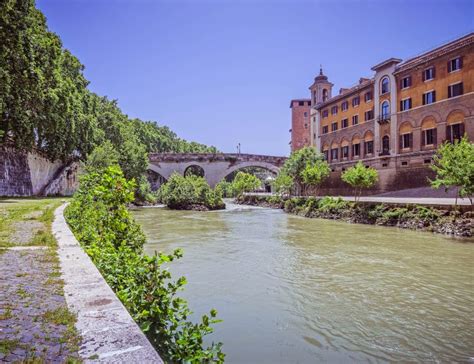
(215, 157)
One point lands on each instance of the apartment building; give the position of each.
(395, 120)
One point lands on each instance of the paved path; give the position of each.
(411, 200)
(35, 324)
(397, 200)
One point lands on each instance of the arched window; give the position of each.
(385, 85)
(385, 145)
(325, 94)
(385, 110)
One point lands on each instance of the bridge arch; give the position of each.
(266, 166)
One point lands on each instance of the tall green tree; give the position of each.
(314, 174)
(454, 167)
(360, 177)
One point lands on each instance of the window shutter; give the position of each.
(435, 136)
(460, 62)
(449, 66)
(423, 97)
(461, 129)
(461, 90)
(409, 104)
(434, 72)
(434, 96)
(410, 140)
(401, 142)
(401, 105)
(423, 139)
(448, 133)
(449, 91)
(409, 81)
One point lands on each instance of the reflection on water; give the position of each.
(297, 290)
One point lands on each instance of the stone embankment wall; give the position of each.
(30, 174)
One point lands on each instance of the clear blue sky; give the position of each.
(222, 72)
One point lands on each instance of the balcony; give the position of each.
(383, 119)
(384, 153)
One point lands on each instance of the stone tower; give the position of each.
(321, 89)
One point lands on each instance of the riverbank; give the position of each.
(35, 322)
(414, 217)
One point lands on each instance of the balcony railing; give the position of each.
(383, 119)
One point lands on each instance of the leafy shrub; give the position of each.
(332, 205)
(294, 203)
(245, 182)
(224, 189)
(100, 220)
(182, 193)
(360, 177)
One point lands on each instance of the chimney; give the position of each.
(362, 80)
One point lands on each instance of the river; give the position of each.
(297, 290)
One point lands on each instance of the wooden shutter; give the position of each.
(423, 133)
(461, 129)
(409, 80)
(434, 72)
(460, 62)
(449, 66)
(409, 103)
(410, 140)
(435, 136)
(401, 105)
(450, 88)
(448, 133)
(434, 96)
(423, 75)
(461, 89)
(401, 142)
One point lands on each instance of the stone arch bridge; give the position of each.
(215, 166)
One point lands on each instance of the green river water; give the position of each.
(297, 290)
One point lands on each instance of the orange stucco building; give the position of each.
(395, 120)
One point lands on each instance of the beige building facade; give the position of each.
(395, 120)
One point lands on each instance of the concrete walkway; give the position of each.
(109, 334)
(435, 201)
(411, 200)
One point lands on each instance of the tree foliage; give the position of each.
(314, 174)
(360, 177)
(283, 184)
(298, 162)
(45, 104)
(191, 192)
(99, 217)
(245, 182)
(454, 167)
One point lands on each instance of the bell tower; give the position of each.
(321, 89)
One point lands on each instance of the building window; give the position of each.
(368, 96)
(325, 113)
(429, 74)
(406, 82)
(369, 147)
(455, 90)
(355, 120)
(454, 132)
(385, 85)
(385, 110)
(428, 137)
(334, 126)
(386, 145)
(405, 104)
(345, 123)
(344, 106)
(356, 150)
(334, 110)
(406, 141)
(355, 101)
(429, 97)
(326, 154)
(345, 152)
(369, 115)
(325, 129)
(305, 114)
(325, 95)
(455, 64)
(334, 154)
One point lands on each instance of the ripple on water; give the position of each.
(291, 289)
